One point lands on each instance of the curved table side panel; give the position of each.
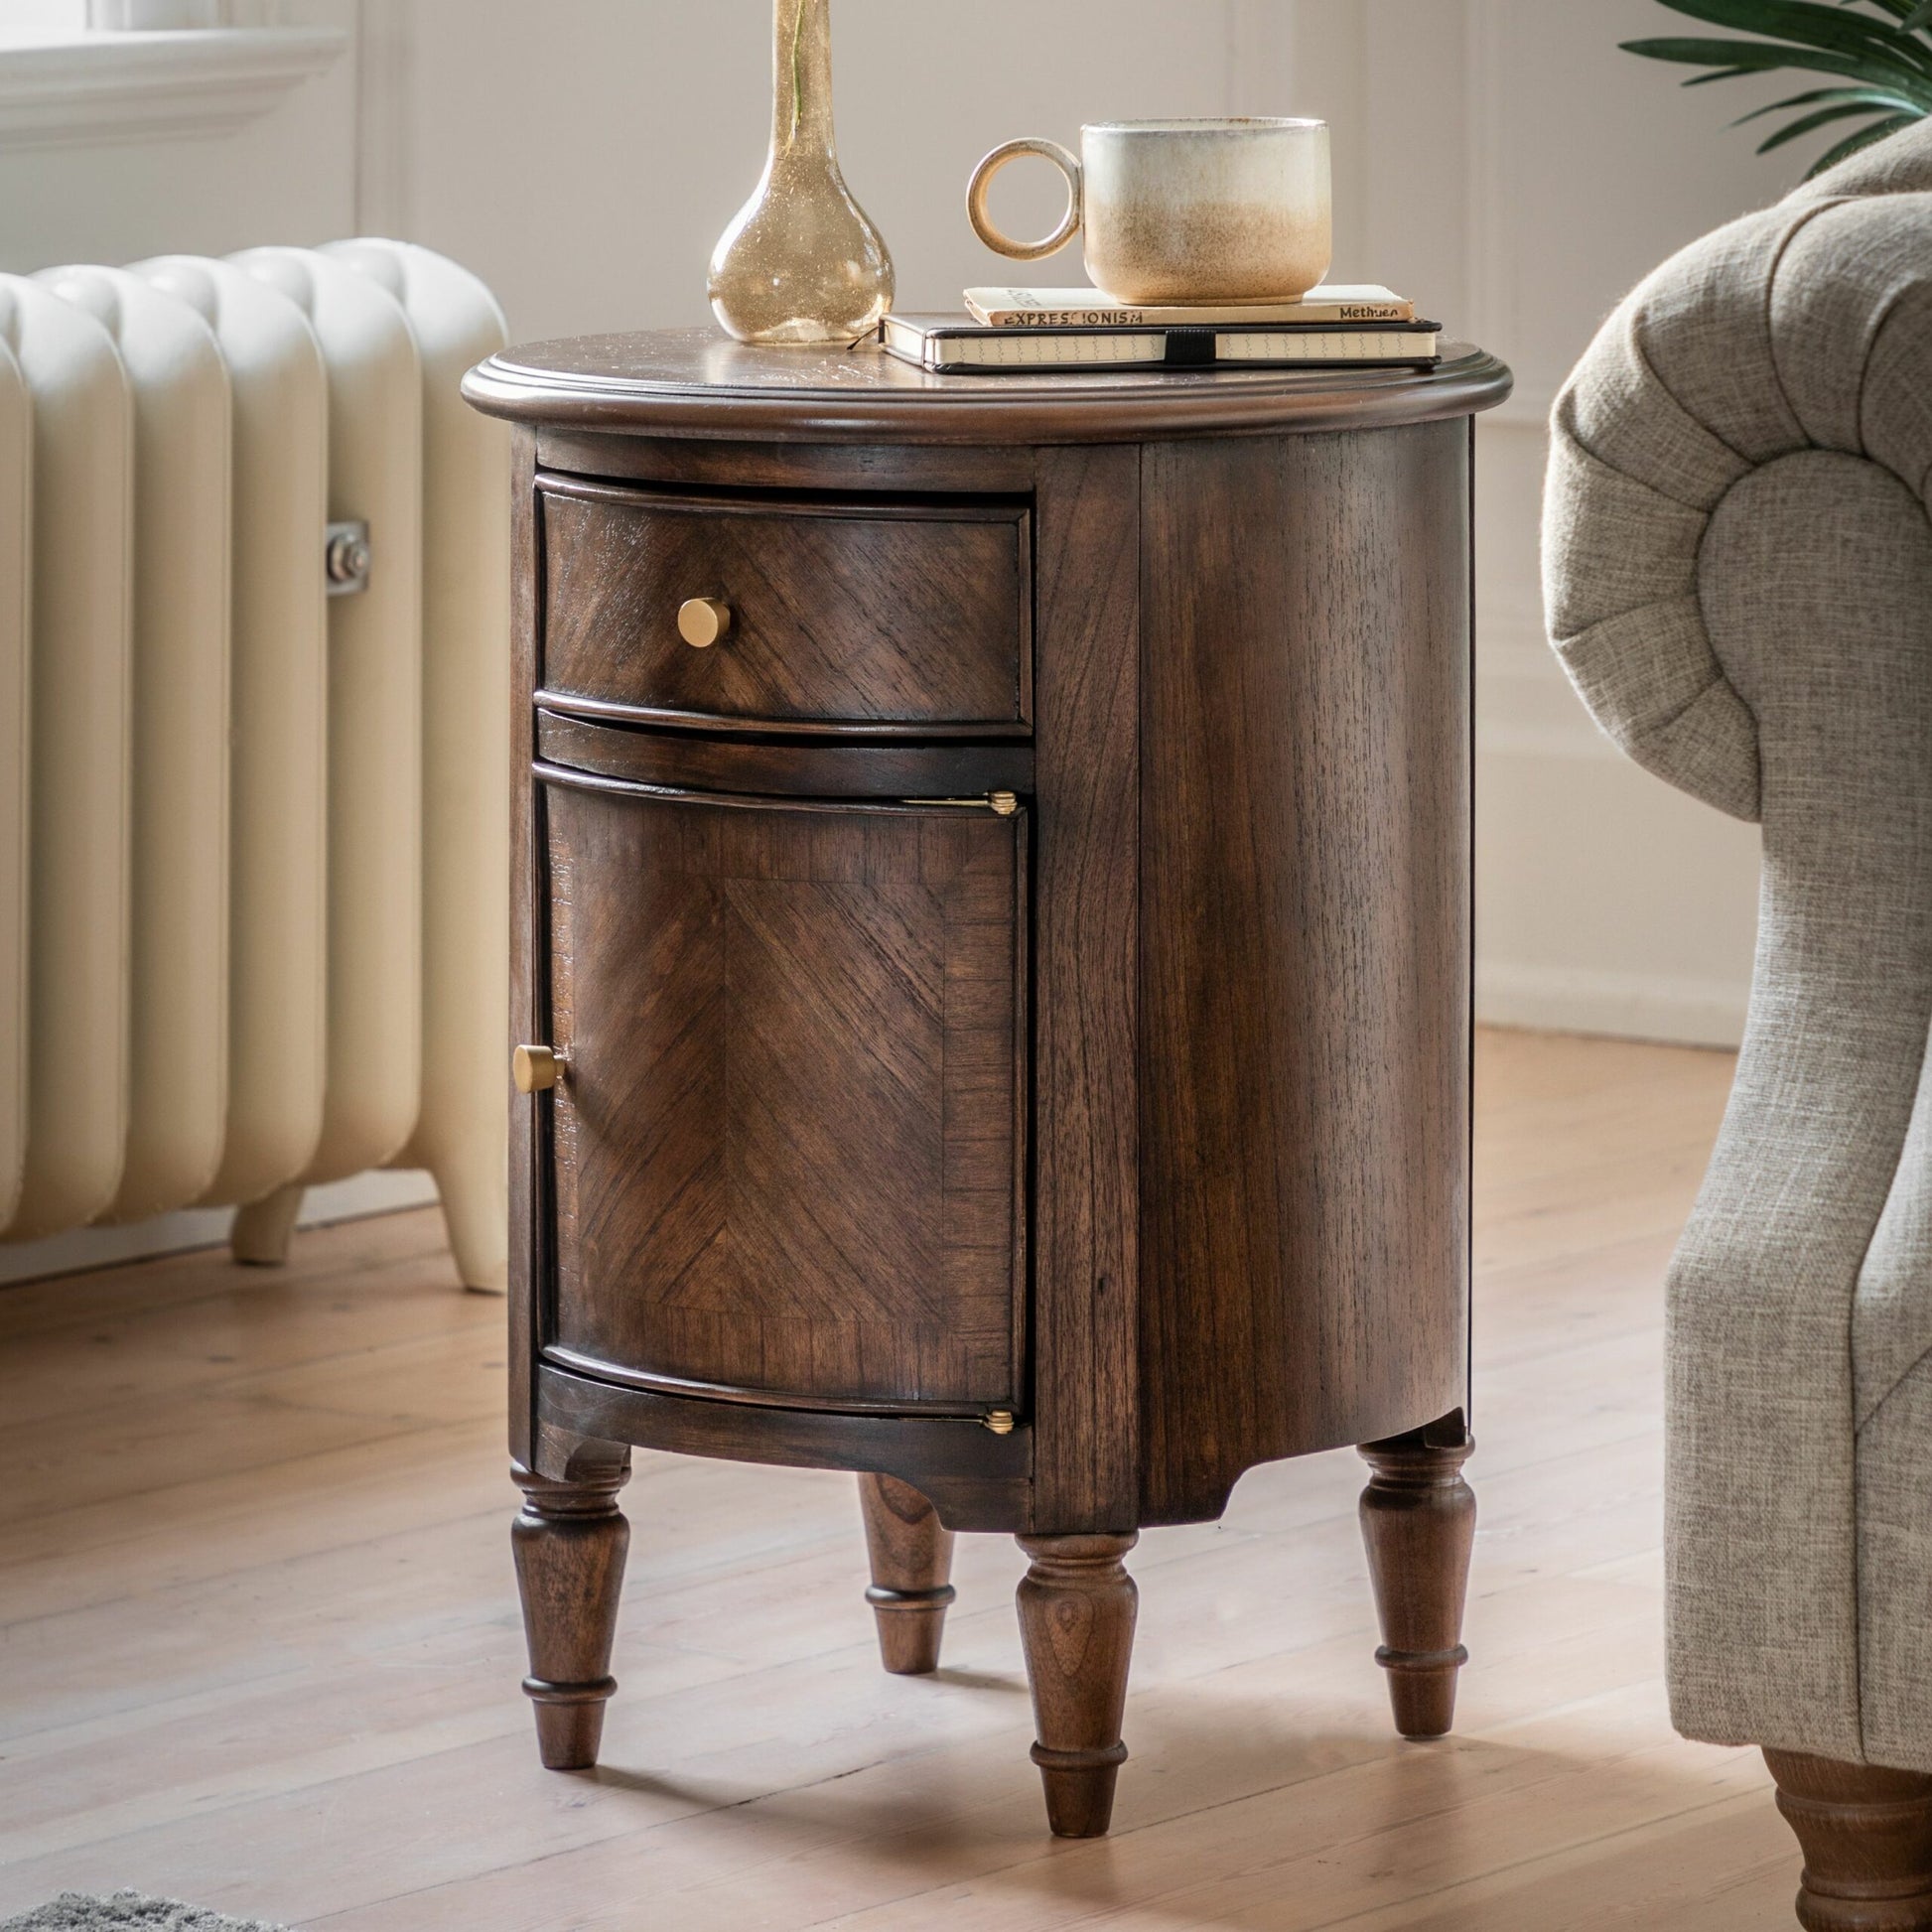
(1304, 880)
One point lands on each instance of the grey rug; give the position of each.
(128, 1912)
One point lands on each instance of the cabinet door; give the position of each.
(789, 1147)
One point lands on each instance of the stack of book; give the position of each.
(1043, 330)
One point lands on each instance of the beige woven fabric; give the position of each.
(1739, 572)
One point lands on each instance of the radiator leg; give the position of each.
(263, 1228)
(477, 1214)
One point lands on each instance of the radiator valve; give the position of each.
(346, 558)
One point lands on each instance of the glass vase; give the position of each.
(801, 264)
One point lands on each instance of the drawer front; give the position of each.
(894, 615)
(787, 1150)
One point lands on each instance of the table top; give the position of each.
(699, 383)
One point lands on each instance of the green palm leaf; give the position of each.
(1819, 96)
(1805, 24)
(1865, 138)
(1806, 123)
(1766, 56)
(1885, 56)
(1914, 13)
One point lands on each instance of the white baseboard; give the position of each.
(1626, 1006)
(381, 1192)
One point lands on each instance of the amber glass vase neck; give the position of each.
(801, 78)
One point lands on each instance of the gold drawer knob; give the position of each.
(536, 1069)
(702, 620)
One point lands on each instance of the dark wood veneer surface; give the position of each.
(1055, 1152)
(1304, 964)
(1088, 994)
(688, 383)
(786, 1143)
(977, 1481)
(685, 760)
(869, 468)
(528, 1138)
(896, 612)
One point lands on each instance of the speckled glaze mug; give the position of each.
(1184, 211)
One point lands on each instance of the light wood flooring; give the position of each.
(259, 1647)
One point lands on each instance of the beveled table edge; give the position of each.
(987, 409)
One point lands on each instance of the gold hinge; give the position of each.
(998, 1421)
(1005, 803)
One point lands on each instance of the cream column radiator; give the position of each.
(254, 735)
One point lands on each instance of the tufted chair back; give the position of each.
(1738, 577)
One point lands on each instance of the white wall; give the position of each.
(1518, 173)
(1499, 159)
(288, 177)
(588, 176)
(1606, 901)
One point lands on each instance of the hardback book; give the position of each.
(1089, 309)
(944, 343)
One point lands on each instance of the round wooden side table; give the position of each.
(992, 984)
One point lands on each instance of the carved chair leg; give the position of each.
(1866, 1836)
(911, 1560)
(1419, 1521)
(1076, 1622)
(570, 1544)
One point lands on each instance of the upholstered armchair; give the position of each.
(1739, 574)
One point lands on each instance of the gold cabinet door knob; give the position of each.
(702, 620)
(535, 1068)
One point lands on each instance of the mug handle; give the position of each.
(1003, 244)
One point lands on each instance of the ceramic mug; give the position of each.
(1185, 212)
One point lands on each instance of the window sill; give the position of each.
(112, 87)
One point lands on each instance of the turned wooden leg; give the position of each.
(1419, 1520)
(570, 1544)
(911, 1559)
(1866, 1836)
(1076, 1622)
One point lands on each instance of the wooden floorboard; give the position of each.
(259, 1645)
